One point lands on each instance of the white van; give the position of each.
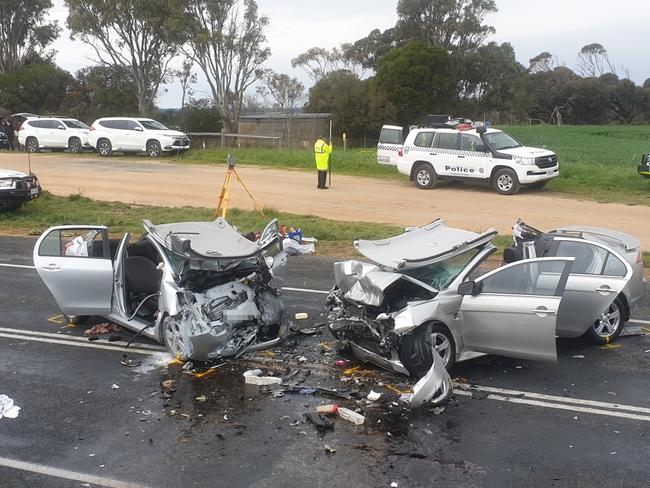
(466, 152)
(135, 134)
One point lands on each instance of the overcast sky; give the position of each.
(561, 27)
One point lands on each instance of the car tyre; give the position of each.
(31, 145)
(609, 325)
(506, 182)
(176, 339)
(416, 349)
(104, 148)
(154, 149)
(425, 176)
(74, 145)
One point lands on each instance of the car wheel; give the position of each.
(506, 182)
(443, 342)
(425, 176)
(153, 149)
(176, 340)
(537, 186)
(104, 148)
(31, 145)
(416, 349)
(609, 325)
(74, 145)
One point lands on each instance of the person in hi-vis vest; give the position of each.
(322, 151)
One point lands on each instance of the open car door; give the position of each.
(390, 142)
(75, 264)
(512, 311)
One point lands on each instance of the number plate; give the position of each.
(33, 191)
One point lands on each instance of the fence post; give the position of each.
(345, 142)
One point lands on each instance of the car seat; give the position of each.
(142, 276)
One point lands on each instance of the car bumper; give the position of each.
(22, 195)
(533, 174)
(172, 148)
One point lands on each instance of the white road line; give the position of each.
(551, 398)
(88, 345)
(20, 266)
(558, 406)
(66, 474)
(640, 322)
(73, 338)
(306, 290)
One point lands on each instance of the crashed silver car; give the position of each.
(201, 288)
(426, 291)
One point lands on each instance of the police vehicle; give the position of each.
(447, 149)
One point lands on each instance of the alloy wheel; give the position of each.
(609, 321)
(505, 183)
(174, 338)
(442, 345)
(424, 177)
(32, 145)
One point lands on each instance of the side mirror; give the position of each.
(138, 128)
(61, 127)
(469, 288)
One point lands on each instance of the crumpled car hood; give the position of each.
(423, 245)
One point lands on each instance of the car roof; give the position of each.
(422, 246)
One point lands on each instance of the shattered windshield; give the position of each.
(500, 141)
(440, 275)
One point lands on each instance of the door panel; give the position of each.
(75, 265)
(119, 278)
(514, 313)
(390, 142)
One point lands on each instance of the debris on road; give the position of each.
(252, 377)
(322, 423)
(373, 396)
(7, 407)
(102, 329)
(301, 316)
(130, 362)
(332, 409)
(115, 386)
(351, 416)
(579, 356)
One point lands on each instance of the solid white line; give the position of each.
(66, 474)
(88, 345)
(306, 290)
(551, 398)
(558, 406)
(20, 266)
(640, 322)
(73, 338)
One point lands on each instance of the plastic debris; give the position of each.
(301, 316)
(373, 396)
(307, 391)
(130, 362)
(321, 422)
(394, 484)
(7, 408)
(115, 386)
(201, 398)
(252, 377)
(329, 449)
(351, 416)
(579, 356)
(332, 409)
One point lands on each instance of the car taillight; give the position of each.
(21, 126)
(92, 128)
(400, 152)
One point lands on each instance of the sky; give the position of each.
(560, 27)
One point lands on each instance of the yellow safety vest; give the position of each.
(322, 151)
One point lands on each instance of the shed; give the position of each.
(294, 130)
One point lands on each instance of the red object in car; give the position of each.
(400, 152)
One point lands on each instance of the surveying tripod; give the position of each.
(224, 197)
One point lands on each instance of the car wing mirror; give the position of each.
(469, 288)
(139, 129)
(61, 127)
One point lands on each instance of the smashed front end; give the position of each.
(228, 289)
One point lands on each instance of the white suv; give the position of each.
(55, 133)
(466, 152)
(126, 134)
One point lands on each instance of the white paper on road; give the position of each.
(7, 408)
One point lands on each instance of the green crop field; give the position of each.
(596, 162)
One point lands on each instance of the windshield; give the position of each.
(440, 275)
(500, 140)
(152, 125)
(75, 124)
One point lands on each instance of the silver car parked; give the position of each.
(201, 288)
(426, 289)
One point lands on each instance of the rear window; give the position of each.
(109, 124)
(391, 136)
(424, 139)
(446, 140)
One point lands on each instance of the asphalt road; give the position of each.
(584, 421)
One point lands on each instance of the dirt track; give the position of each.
(139, 180)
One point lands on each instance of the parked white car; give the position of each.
(465, 152)
(55, 133)
(128, 134)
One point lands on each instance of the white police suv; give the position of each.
(465, 151)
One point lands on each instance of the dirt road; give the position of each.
(139, 180)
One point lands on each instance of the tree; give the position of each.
(36, 86)
(544, 61)
(140, 37)
(593, 61)
(419, 80)
(227, 41)
(24, 31)
(285, 92)
(369, 50)
(454, 25)
(318, 62)
(187, 79)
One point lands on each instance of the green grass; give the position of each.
(596, 162)
(49, 210)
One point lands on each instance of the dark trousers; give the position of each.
(322, 179)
